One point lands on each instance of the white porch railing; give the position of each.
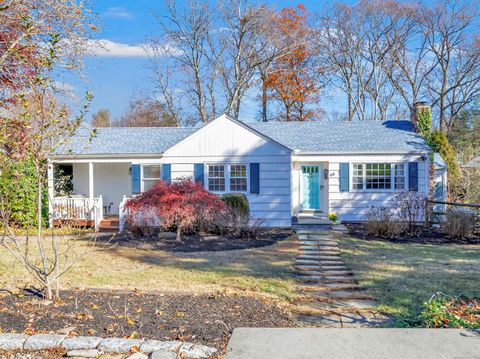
(78, 208)
(144, 217)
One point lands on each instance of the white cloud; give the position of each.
(108, 48)
(118, 12)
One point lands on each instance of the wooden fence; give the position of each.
(437, 210)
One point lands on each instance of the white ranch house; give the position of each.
(284, 168)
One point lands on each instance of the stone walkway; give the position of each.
(330, 295)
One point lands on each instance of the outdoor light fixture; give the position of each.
(130, 171)
(325, 174)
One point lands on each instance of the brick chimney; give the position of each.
(417, 107)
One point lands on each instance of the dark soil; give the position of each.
(425, 236)
(165, 241)
(205, 319)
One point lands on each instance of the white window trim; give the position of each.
(142, 178)
(227, 176)
(392, 176)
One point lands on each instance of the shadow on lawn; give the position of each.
(270, 262)
(402, 276)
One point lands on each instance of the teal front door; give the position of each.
(310, 187)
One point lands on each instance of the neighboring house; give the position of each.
(284, 168)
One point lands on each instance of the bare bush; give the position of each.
(409, 209)
(381, 222)
(459, 222)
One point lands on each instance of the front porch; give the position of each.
(96, 192)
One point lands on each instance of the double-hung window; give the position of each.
(238, 178)
(378, 176)
(216, 178)
(150, 176)
(227, 177)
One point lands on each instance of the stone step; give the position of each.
(329, 258)
(335, 273)
(312, 227)
(330, 253)
(309, 243)
(310, 273)
(341, 286)
(342, 294)
(326, 263)
(338, 280)
(340, 304)
(307, 260)
(309, 249)
(301, 232)
(307, 257)
(301, 267)
(346, 320)
(336, 266)
(320, 320)
(330, 287)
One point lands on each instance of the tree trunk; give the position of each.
(179, 234)
(264, 101)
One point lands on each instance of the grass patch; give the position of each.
(266, 271)
(58, 231)
(402, 276)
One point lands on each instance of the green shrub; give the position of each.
(18, 190)
(238, 203)
(438, 142)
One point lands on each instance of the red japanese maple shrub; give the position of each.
(182, 204)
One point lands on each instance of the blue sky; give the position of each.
(114, 76)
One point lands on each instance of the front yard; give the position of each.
(141, 290)
(265, 271)
(402, 276)
(148, 289)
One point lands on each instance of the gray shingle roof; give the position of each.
(125, 140)
(347, 137)
(322, 137)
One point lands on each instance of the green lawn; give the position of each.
(403, 276)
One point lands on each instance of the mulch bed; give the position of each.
(165, 241)
(205, 319)
(426, 236)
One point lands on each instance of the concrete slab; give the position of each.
(347, 343)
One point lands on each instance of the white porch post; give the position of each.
(51, 193)
(90, 187)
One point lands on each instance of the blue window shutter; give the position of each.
(198, 173)
(166, 172)
(136, 179)
(344, 177)
(413, 176)
(255, 178)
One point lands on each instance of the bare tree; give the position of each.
(184, 38)
(241, 50)
(339, 36)
(451, 28)
(146, 112)
(361, 43)
(101, 118)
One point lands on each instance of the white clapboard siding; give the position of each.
(351, 206)
(225, 141)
